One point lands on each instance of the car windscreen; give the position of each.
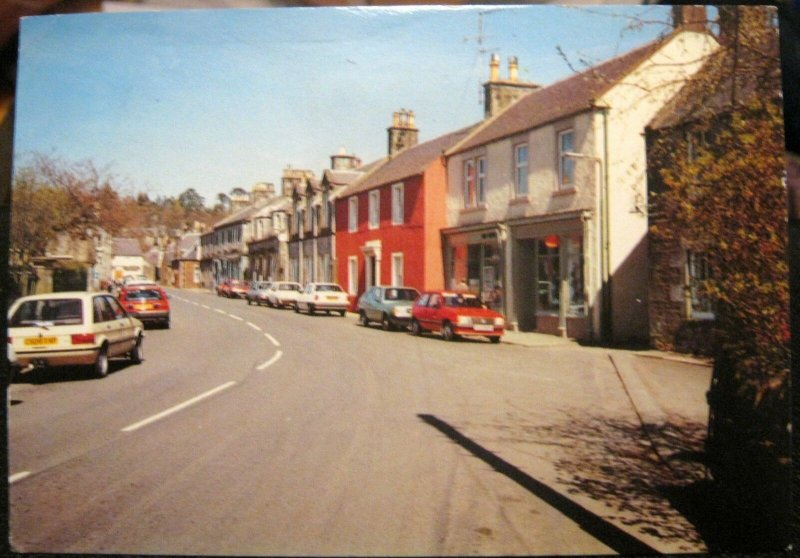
(333, 288)
(144, 294)
(289, 287)
(401, 294)
(49, 312)
(460, 301)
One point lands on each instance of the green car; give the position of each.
(391, 306)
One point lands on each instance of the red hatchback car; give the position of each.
(455, 315)
(148, 303)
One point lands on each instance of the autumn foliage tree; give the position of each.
(720, 192)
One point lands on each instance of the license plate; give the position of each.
(481, 327)
(40, 341)
(330, 297)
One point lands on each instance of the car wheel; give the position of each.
(166, 324)
(137, 353)
(100, 367)
(386, 325)
(311, 309)
(362, 319)
(415, 328)
(495, 339)
(447, 331)
(342, 313)
(297, 308)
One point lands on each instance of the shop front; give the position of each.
(474, 261)
(551, 276)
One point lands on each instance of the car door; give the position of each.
(371, 303)
(434, 315)
(125, 330)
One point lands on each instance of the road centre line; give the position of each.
(220, 311)
(18, 476)
(272, 339)
(254, 326)
(271, 361)
(177, 408)
(206, 306)
(236, 317)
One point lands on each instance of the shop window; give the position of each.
(577, 297)
(549, 272)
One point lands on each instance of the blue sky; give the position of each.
(218, 99)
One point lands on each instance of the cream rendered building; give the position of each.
(547, 206)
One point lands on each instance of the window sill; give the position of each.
(473, 209)
(564, 192)
(520, 200)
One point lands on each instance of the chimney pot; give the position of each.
(513, 68)
(494, 68)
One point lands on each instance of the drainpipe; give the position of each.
(606, 326)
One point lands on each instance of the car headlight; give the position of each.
(499, 322)
(401, 311)
(464, 321)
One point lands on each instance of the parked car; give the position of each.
(283, 293)
(148, 303)
(454, 315)
(73, 328)
(322, 296)
(391, 306)
(257, 294)
(233, 288)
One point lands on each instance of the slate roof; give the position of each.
(409, 162)
(569, 96)
(239, 216)
(710, 90)
(127, 247)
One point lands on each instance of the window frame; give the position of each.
(352, 214)
(374, 209)
(564, 161)
(398, 204)
(395, 257)
(352, 275)
(521, 186)
(469, 183)
(480, 180)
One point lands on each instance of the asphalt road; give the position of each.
(255, 431)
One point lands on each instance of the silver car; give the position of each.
(390, 306)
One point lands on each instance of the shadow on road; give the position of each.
(61, 374)
(607, 533)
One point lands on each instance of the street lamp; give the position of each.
(601, 210)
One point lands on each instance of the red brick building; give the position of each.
(388, 222)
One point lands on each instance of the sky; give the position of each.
(221, 99)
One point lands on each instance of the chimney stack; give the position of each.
(343, 161)
(497, 93)
(403, 133)
(689, 18)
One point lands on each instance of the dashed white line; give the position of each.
(272, 339)
(254, 326)
(271, 361)
(177, 408)
(236, 317)
(220, 311)
(18, 476)
(206, 306)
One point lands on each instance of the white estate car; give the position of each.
(73, 328)
(322, 296)
(283, 293)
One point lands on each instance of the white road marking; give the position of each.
(236, 317)
(271, 361)
(206, 306)
(254, 326)
(177, 408)
(220, 311)
(18, 476)
(271, 338)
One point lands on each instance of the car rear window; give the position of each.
(53, 311)
(461, 301)
(144, 294)
(289, 287)
(335, 288)
(401, 294)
